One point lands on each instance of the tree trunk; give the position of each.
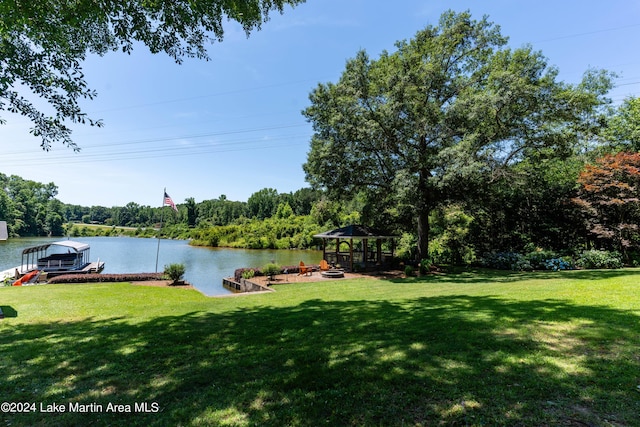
(423, 234)
(423, 205)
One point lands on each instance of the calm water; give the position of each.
(205, 267)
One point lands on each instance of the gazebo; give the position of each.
(360, 254)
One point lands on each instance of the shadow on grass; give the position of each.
(7, 311)
(453, 360)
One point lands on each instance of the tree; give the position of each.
(220, 211)
(7, 211)
(610, 196)
(74, 212)
(99, 214)
(304, 199)
(129, 215)
(192, 215)
(53, 218)
(43, 44)
(284, 211)
(529, 207)
(263, 203)
(623, 131)
(27, 205)
(452, 225)
(451, 107)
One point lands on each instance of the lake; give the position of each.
(205, 267)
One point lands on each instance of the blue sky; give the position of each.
(233, 125)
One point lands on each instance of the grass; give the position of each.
(470, 348)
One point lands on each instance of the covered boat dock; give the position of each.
(65, 255)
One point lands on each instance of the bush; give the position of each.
(450, 227)
(408, 271)
(425, 265)
(549, 260)
(633, 258)
(406, 247)
(239, 273)
(600, 259)
(506, 261)
(111, 278)
(271, 270)
(248, 274)
(289, 269)
(557, 264)
(538, 258)
(174, 272)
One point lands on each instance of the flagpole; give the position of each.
(161, 215)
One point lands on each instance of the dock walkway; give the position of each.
(92, 267)
(8, 274)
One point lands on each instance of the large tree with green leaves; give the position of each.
(263, 203)
(623, 128)
(29, 207)
(449, 108)
(43, 44)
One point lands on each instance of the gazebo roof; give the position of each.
(354, 231)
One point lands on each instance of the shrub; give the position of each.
(406, 247)
(408, 271)
(633, 258)
(506, 261)
(283, 243)
(174, 272)
(600, 259)
(289, 269)
(111, 278)
(425, 265)
(271, 270)
(450, 226)
(549, 260)
(557, 264)
(521, 264)
(248, 274)
(240, 273)
(538, 258)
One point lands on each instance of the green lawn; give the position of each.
(472, 348)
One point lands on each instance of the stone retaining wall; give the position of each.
(244, 285)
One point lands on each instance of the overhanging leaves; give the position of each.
(43, 44)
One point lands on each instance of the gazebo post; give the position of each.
(365, 252)
(324, 248)
(351, 252)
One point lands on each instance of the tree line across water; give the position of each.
(550, 208)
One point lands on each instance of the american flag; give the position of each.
(168, 201)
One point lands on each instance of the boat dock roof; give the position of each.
(76, 246)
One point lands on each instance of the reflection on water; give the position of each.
(205, 267)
